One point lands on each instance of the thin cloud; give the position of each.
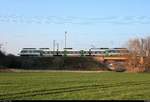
(74, 20)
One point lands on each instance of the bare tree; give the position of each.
(139, 53)
(147, 46)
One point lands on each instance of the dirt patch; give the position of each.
(6, 70)
(74, 71)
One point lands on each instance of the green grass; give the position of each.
(74, 86)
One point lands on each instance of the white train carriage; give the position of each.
(57, 53)
(124, 51)
(99, 51)
(46, 52)
(73, 53)
(118, 51)
(30, 52)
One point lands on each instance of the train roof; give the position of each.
(29, 48)
(119, 48)
(99, 48)
(44, 48)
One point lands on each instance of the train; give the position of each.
(46, 52)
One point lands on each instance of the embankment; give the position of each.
(53, 63)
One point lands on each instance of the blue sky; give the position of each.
(101, 23)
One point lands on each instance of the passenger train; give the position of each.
(46, 52)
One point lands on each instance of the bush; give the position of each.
(53, 63)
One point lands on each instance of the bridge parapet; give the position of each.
(111, 58)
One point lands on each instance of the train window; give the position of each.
(62, 52)
(119, 51)
(101, 52)
(34, 51)
(86, 52)
(91, 52)
(51, 52)
(48, 52)
(113, 51)
(76, 52)
(44, 52)
(24, 51)
(30, 51)
(124, 51)
(38, 51)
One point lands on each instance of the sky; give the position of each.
(89, 23)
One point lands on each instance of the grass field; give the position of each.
(74, 86)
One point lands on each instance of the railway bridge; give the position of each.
(111, 58)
